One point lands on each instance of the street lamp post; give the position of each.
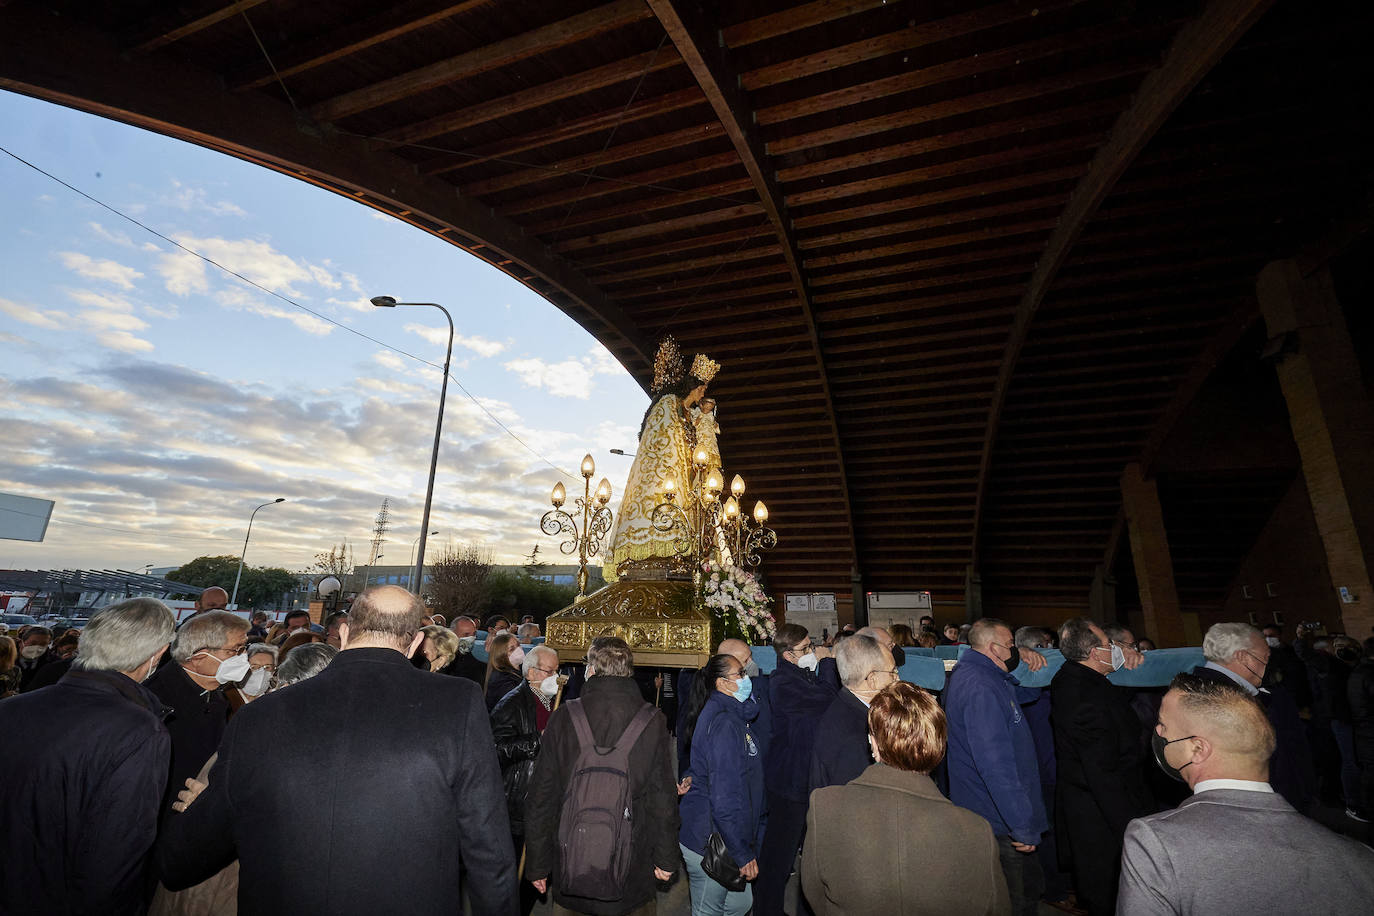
(414, 542)
(233, 599)
(390, 303)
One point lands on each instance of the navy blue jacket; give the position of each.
(82, 768)
(992, 762)
(727, 780)
(762, 726)
(844, 753)
(799, 700)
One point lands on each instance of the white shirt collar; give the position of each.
(1244, 684)
(1244, 785)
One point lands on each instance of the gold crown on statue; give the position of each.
(704, 368)
(667, 364)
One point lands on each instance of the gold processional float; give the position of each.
(678, 553)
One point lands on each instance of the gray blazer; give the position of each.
(889, 844)
(1229, 851)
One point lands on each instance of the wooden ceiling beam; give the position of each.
(483, 59)
(301, 56)
(955, 218)
(911, 286)
(906, 39)
(683, 138)
(733, 191)
(169, 27)
(689, 264)
(629, 253)
(929, 244)
(1196, 48)
(552, 134)
(978, 101)
(663, 227)
(954, 260)
(1100, 37)
(818, 12)
(617, 184)
(917, 176)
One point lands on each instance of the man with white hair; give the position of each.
(1234, 846)
(1238, 655)
(83, 765)
(410, 792)
(866, 666)
(517, 722)
(208, 653)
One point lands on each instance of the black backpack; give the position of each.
(595, 826)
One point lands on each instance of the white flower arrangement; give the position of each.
(736, 599)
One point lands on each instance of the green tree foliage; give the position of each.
(259, 587)
(518, 593)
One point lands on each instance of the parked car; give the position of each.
(14, 621)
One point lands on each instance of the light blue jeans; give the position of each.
(710, 898)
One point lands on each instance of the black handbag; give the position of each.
(719, 866)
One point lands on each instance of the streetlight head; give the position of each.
(279, 499)
(384, 302)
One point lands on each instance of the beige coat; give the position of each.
(889, 843)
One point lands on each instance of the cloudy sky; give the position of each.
(158, 399)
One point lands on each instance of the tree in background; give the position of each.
(458, 580)
(518, 593)
(336, 562)
(260, 586)
(532, 562)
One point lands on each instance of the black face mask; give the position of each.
(1158, 744)
(898, 656)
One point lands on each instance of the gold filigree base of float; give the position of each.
(654, 615)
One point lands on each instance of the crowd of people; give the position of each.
(371, 762)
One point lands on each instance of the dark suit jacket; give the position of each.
(1228, 851)
(361, 790)
(196, 724)
(890, 843)
(465, 665)
(1291, 771)
(1100, 785)
(841, 753)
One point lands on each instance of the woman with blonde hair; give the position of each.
(503, 668)
(439, 648)
(861, 837)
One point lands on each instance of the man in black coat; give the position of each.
(611, 699)
(361, 790)
(1237, 654)
(866, 667)
(82, 768)
(204, 644)
(1098, 755)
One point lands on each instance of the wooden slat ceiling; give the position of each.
(844, 202)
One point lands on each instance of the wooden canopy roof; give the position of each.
(961, 260)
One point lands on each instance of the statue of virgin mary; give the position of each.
(667, 440)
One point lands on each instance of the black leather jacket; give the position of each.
(513, 726)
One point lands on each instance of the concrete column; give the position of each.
(973, 594)
(1154, 567)
(1333, 425)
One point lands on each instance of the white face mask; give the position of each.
(1273, 641)
(231, 670)
(1118, 656)
(549, 685)
(808, 661)
(752, 668)
(32, 652)
(257, 682)
(465, 644)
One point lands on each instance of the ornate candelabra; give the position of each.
(703, 524)
(746, 540)
(584, 539)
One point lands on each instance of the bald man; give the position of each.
(401, 746)
(213, 598)
(1234, 846)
